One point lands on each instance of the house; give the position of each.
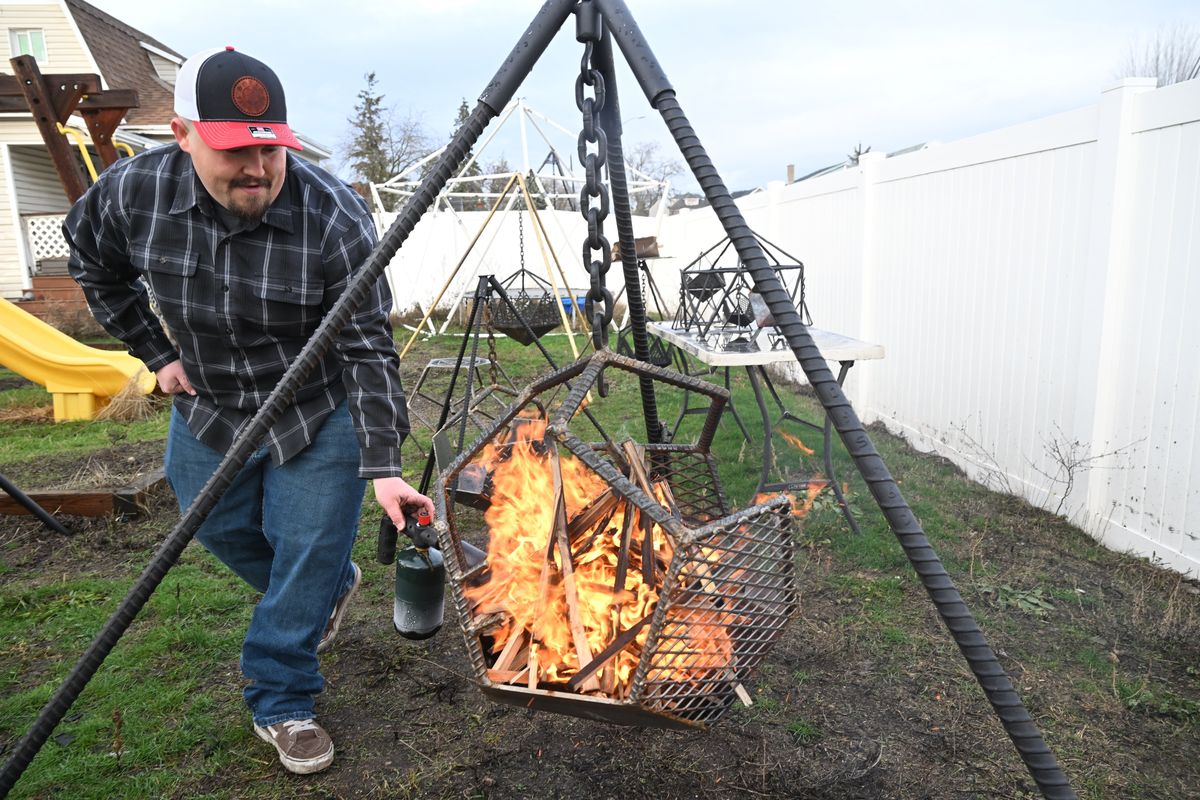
(71, 37)
(692, 200)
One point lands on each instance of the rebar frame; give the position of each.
(720, 304)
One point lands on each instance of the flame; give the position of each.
(527, 579)
(800, 508)
(795, 442)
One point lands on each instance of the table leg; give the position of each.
(731, 408)
(826, 432)
(768, 448)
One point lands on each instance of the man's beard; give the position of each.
(251, 209)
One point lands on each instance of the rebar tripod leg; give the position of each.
(32, 507)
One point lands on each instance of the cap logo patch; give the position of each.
(261, 132)
(250, 96)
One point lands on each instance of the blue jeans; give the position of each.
(287, 531)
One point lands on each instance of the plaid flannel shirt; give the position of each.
(242, 305)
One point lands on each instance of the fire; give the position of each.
(795, 442)
(800, 508)
(560, 583)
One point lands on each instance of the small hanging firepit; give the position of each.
(617, 586)
(534, 299)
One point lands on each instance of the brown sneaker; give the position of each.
(304, 746)
(339, 611)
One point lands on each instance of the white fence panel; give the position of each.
(1031, 287)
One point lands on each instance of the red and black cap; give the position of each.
(234, 101)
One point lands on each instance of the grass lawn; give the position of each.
(865, 696)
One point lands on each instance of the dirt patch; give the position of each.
(113, 467)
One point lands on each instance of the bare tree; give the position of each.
(1172, 56)
(858, 152)
(647, 159)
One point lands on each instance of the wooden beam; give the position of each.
(101, 124)
(44, 105)
(126, 500)
(52, 99)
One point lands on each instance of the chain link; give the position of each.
(593, 197)
(521, 241)
(493, 359)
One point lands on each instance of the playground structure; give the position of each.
(554, 180)
(82, 379)
(530, 289)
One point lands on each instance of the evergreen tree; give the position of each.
(379, 143)
(535, 191)
(367, 151)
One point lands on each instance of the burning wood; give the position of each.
(562, 603)
(617, 583)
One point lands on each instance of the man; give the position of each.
(245, 247)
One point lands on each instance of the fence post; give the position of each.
(868, 311)
(1108, 255)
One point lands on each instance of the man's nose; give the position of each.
(254, 163)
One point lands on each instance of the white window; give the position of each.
(28, 42)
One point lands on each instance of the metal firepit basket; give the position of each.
(724, 593)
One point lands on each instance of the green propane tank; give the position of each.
(420, 589)
(418, 609)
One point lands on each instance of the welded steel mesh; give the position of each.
(729, 594)
(724, 593)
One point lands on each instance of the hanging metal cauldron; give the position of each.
(528, 310)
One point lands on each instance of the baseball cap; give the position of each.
(234, 100)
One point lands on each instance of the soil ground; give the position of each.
(866, 695)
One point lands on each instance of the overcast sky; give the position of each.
(765, 83)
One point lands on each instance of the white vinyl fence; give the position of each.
(1036, 289)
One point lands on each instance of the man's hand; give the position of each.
(394, 495)
(173, 380)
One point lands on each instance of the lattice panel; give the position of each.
(44, 233)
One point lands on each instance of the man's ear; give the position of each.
(181, 131)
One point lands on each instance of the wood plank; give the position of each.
(130, 500)
(578, 634)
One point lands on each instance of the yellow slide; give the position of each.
(82, 379)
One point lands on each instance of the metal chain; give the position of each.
(521, 242)
(493, 359)
(598, 304)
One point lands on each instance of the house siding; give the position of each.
(12, 279)
(64, 52)
(38, 189)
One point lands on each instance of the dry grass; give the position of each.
(27, 414)
(73, 319)
(130, 404)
